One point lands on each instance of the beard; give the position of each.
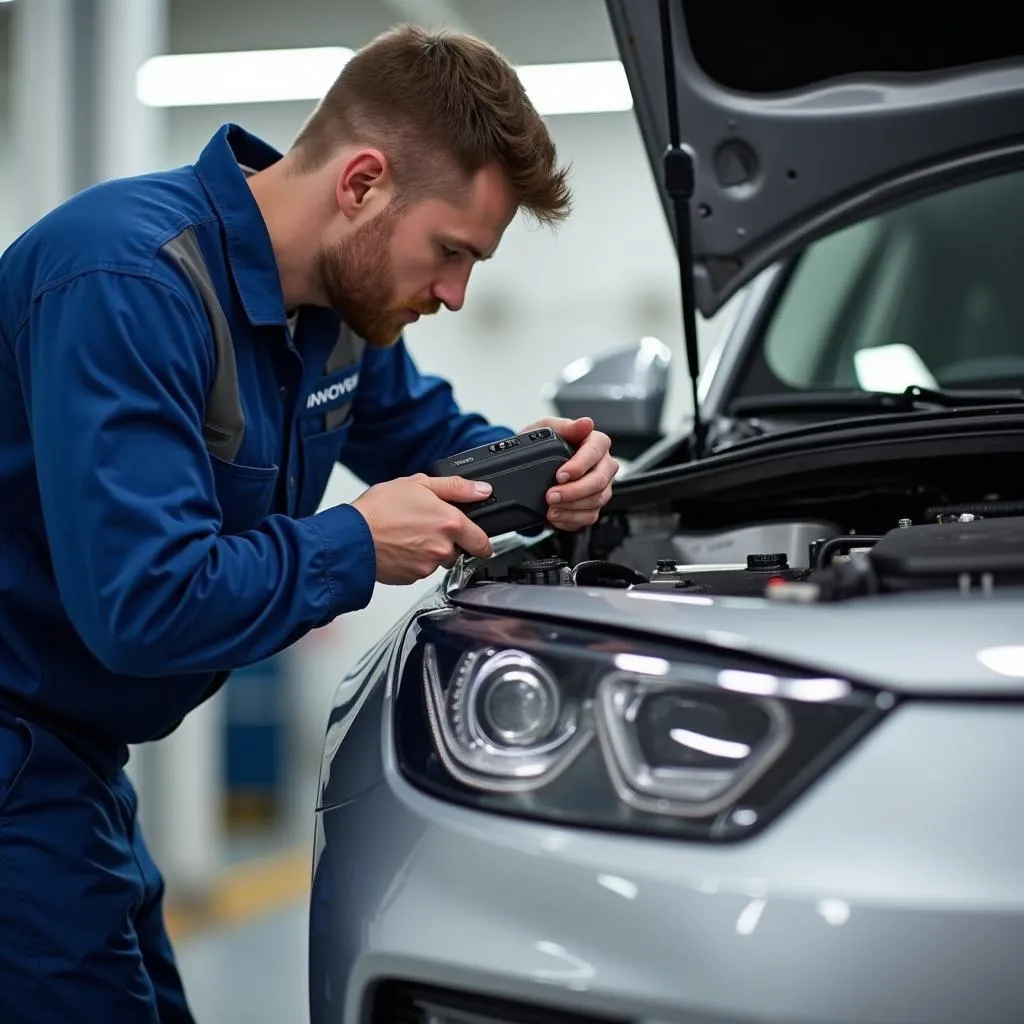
(358, 280)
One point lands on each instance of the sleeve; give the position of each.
(402, 419)
(115, 369)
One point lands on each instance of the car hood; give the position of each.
(886, 643)
(801, 120)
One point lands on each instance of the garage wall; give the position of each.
(8, 192)
(9, 219)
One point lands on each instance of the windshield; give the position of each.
(929, 294)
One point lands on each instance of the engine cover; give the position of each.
(940, 554)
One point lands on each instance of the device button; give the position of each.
(475, 506)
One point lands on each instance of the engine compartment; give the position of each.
(937, 505)
(968, 549)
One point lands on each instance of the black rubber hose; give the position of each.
(842, 545)
(606, 574)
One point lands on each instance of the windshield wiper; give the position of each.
(950, 398)
(914, 399)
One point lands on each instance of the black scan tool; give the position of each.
(520, 470)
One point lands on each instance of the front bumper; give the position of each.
(893, 891)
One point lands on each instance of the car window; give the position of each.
(930, 293)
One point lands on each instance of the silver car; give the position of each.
(744, 751)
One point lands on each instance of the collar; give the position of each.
(249, 250)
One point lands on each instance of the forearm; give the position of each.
(221, 602)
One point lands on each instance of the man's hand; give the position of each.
(415, 528)
(585, 481)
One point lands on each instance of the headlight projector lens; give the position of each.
(517, 702)
(503, 723)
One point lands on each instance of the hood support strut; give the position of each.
(679, 182)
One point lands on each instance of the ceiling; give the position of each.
(526, 31)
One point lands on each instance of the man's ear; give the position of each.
(363, 182)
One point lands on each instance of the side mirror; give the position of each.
(623, 392)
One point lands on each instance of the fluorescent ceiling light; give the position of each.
(243, 76)
(272, 76)
(591, 87)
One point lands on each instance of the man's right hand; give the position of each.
(415, 527)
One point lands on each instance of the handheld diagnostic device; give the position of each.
(520, 470)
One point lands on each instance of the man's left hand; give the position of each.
(585, 481)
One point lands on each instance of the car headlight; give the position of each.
(567, 725)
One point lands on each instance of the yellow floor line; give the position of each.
(244, 891)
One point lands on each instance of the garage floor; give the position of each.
(248, 961)
(254, 972)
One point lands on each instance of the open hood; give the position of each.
(801, 119)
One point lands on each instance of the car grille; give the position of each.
(400, 1003)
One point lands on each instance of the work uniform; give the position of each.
(166, 437)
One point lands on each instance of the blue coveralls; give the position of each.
(136, 566)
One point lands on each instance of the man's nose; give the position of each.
(451, 290)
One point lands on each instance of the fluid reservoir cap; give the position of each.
(767, 563)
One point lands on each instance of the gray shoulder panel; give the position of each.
(224, 422)
(348, 349)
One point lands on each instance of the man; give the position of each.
(183, 359)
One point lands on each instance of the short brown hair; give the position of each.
(434, 100)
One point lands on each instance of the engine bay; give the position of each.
(966, 549)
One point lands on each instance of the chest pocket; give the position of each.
(325, 418)
(245, 493)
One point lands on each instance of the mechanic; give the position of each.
(184, 357)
